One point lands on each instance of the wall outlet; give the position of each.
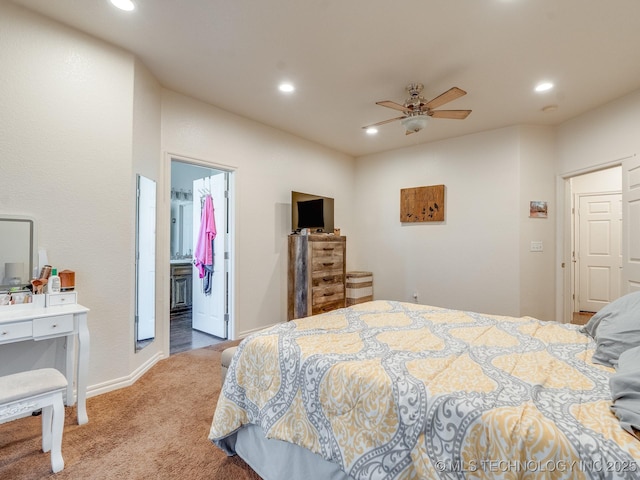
(536, 246)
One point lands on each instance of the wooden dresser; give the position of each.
(317, 270)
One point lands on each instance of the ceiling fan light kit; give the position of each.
(414, 123)
(417, 110)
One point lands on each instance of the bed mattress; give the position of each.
(392, 390)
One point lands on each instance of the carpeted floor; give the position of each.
(156, 428)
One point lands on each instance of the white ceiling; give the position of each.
(344, 55)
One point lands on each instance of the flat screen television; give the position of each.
(311, 211)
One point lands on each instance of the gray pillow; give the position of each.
(615, 328)
(625, 390)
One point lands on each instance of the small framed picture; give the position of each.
(538, 209)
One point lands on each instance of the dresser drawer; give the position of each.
(327, 264)
(14, 331)
(327, 249)
(325, 278)
(328, 293)
(326, 307)
(43, 327)
(62, 298)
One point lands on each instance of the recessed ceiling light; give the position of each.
(286, 87)
(127, 5)
(371, 130)
(544, 86)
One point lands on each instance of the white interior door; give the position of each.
(599, 250)
(631, 225)
(208, 311)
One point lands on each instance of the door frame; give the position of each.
(630, 251)
(565, 237)
(165, 246)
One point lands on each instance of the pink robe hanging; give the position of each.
(204, 248)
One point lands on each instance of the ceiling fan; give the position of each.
(417, 110)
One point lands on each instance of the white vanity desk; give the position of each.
(30, 322)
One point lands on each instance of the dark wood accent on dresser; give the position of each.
(317, 269)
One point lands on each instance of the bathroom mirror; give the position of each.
(17, 251)
(145, 314)
(181, 225)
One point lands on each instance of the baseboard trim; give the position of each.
(127, 381)
(246, 333)
(123, 382)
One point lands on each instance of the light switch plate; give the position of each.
(536, 246)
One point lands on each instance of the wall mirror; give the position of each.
(17, 251)
(181, 221)
(145, 310)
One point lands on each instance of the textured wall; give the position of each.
(65, 159)
(471, 260)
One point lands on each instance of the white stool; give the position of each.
(26, 392)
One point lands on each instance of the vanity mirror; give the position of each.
(17, 251)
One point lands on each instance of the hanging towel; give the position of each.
(204, 248)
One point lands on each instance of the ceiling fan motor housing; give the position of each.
(415, 102)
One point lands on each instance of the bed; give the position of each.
(392, 390)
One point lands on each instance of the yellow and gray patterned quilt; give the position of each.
(391, 390)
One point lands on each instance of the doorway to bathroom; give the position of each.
(200, 255)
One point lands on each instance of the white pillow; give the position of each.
(615, 328)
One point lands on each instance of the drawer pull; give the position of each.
(55, 325)
(5, 333)
(327, 264)
(328, 249)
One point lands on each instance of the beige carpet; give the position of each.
(155, 429)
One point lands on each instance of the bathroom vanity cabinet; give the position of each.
(181, 274)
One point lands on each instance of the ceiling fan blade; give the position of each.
(394, 105)
(455, 114)
(446, 97)
(384, 121)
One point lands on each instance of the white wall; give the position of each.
(145, 161)
(471, 260)
(268, 165)
(601, 136)
(65, 159)
(537, 182)
(479, 258)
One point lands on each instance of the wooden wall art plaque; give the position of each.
(422, 204)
